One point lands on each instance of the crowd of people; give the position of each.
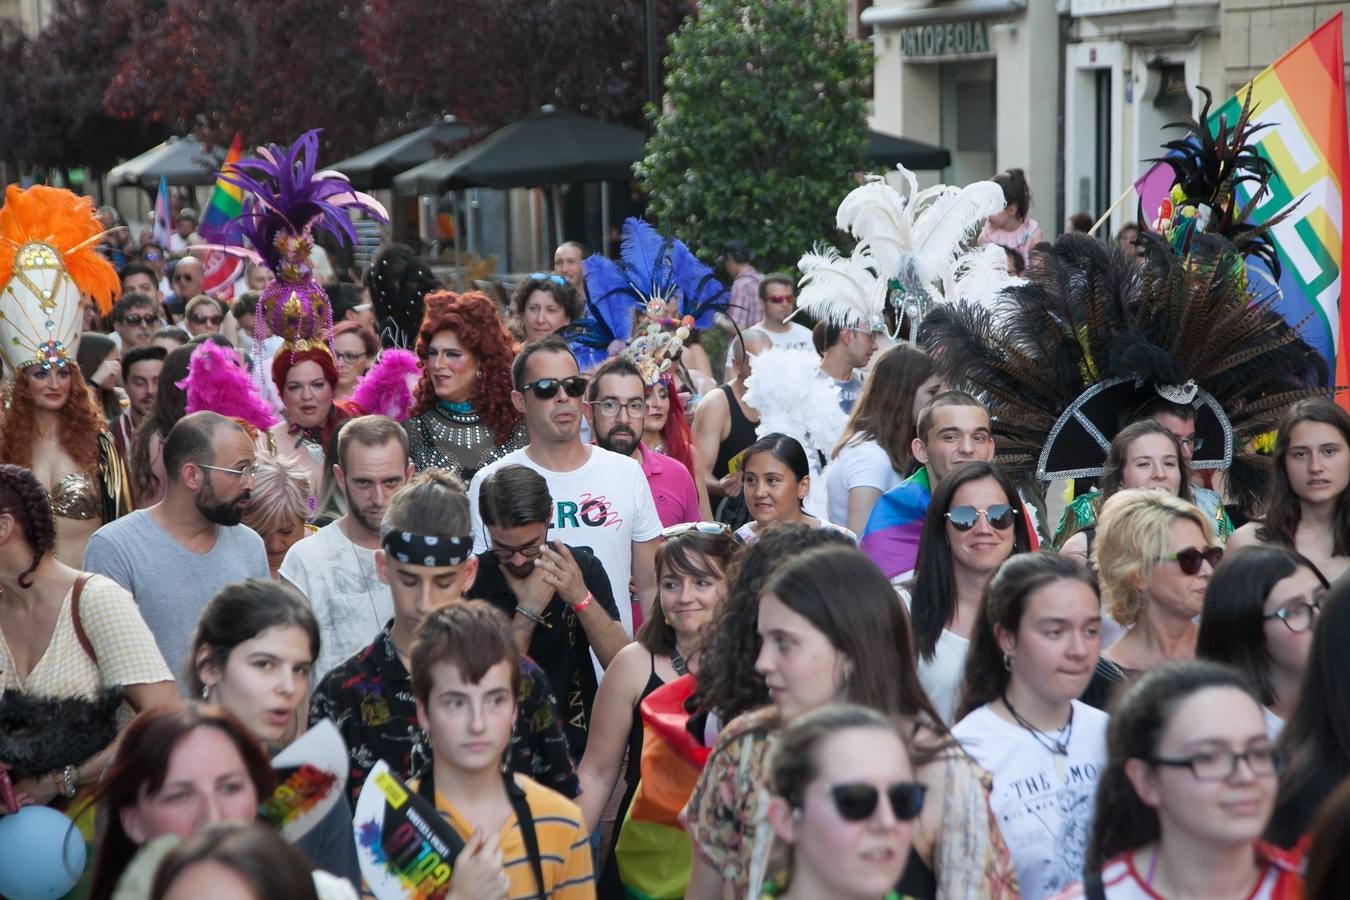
(844, 615)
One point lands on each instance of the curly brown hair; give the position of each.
(24, 497)
(81, 423)
(472, 316)
(729, 643)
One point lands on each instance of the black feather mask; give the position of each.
(39, 735)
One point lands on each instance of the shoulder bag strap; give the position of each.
(75, 618)
(526, 822)
(1093, 888)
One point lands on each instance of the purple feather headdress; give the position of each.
(286, 199)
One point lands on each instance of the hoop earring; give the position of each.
(1007, 662)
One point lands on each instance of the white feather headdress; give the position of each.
(842, 290)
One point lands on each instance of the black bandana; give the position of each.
(433, 550)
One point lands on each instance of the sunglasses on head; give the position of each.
(548, 276)
(1000, 516)
(700, 527)
(547, 388)
(858, 802)
(1189, 559)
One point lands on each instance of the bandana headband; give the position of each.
(435, 550)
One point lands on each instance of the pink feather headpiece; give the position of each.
(217, 381)
(384, 390)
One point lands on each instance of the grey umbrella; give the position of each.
(179, 160)
(376, 167)
(544, 148)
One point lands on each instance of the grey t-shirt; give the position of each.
(170, 583)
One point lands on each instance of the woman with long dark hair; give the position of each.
(463, 418)
(975, 522)
(873, 454)
(1260, 609)
(101, 365)
(830, 630)
(1021, 720)
(1187, 789)
(1308, 499)
(1315, 741)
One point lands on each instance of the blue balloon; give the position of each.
(41, 854)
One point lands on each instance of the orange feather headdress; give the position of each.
(48, 260)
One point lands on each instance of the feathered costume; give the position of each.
(652, 271)
(387, 387)
(216, 381)
(1095, 334)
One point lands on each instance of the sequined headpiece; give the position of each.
(48, 259)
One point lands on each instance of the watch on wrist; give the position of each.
(69, 782)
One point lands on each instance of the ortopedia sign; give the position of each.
(947, 39)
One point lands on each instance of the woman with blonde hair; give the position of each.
(1154, 555)
(281, 505)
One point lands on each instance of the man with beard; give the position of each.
(174, 556)
(558, 597)
(616, 406)
(600, 499)
(335, 566)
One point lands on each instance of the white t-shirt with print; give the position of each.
(606, 505)
(1043, 802)
(347, 597)
(860, 464)
(797, 337)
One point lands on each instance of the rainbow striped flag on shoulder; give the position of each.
(1301, 96)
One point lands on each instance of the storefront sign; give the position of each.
(945, 40)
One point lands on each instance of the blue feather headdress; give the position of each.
(286, 199)
(653, 270)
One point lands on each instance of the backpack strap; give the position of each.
(1093, 888)
(80, 634)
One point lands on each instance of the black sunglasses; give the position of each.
(999, 516)
(547, 388)
(136, 321)
(1189, 559)
(857, 802)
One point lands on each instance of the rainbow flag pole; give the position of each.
(227, 202)
(1301, 96)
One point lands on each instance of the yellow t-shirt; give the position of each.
(564, 845)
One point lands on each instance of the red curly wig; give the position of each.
(81, 423)
(677, 435)
(472, 316)
(285, 360)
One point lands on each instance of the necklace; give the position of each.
(361, 570)
(459, 413)
(1058, 745)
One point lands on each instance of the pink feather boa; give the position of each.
(384, 389)
(217, 381)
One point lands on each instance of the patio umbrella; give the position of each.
(180, 160)
(889, 149)
(376, 167)
(548, 147)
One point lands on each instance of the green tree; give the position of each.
(766, 121)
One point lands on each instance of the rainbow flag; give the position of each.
(891, 536)
(227, 202)
(1302, 97)
(162, 227)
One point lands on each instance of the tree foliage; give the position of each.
(767, 122)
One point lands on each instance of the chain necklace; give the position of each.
(1058, 746)
(361, 570)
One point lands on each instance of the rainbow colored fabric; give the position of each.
(1302, 97)
(891, 537)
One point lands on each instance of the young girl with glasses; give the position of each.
(1031, 656)
(1154, 555)
(1316, 739)
(1260, 609)
(844, 801)
(1188, 787)
(974, 523)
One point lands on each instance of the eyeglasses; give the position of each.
(1189, 559)
(529, 551)
(206, 320)
(349, 357)
(1297, 616)
(547, 388)
(700, 527)
(611, 407)
(1194, 442)
(548, 276)
(135, 321)
(1220, 765)
(963, 518)
(858, 801)
(250, 471)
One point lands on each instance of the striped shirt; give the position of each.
(564, 845)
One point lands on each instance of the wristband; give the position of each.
(538, 620)
(585, 602)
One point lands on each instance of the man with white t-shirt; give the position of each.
(335, 567)
(601, 499)
(779, 293)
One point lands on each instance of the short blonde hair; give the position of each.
(1133, 535)
(281, 491)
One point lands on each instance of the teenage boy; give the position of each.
(522, 840)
